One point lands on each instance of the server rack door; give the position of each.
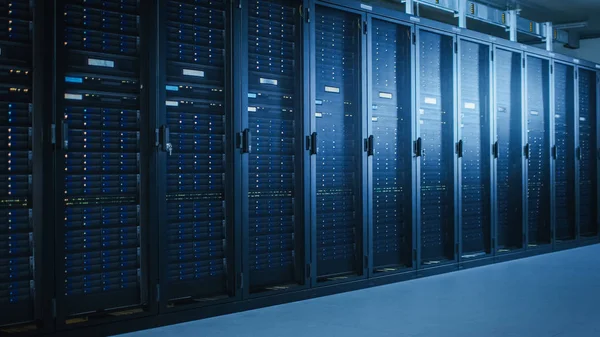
(197, 230)
(17, 286)
(563, 152)
(99, 221)
(538, 151)
(474, 148)
(274, 234)
(339, 224)
(508, 149)
(587, 153)
(391, 109)
(436, 146)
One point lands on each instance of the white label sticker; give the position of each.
(251, 109)
(375, 107)
(523, 47)
(501, 109)
(576, 61)
(551, 54)
(319, 102)
(101, 63)
(493, 38)
(76, 97)
(422, 111)
(367, 7)
(533, 112)
(597, 66)
(268, 81)
(421, 121)
(470, 106)
(318, 114)
(431, 100)
(172, 103)
(415, 19)
(386, 95)
(332, 89)
(456, 29)
(374, 119)
(557, 116)
(191, 72)
(582, 119)
(251, 95)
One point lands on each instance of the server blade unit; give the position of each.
(338, 113)
(588, 187)
(563, 151)
(475, 148)
(17, 269)
(509, 144)
(100, 123)
(538, 150)
(197, 231)
(436, 130)
(392, 165)
(274, 116)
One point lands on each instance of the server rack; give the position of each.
(588, 153)
(474, 149)
(273, 87)
(195, 154)
(563, 153)
(508, 145)
(390, 50)
(337, 144)
(537, 151)
(435, 147)
(100, 160)
(19, 233)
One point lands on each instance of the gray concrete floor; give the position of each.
(553, 295)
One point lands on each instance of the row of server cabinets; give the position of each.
(191, 153)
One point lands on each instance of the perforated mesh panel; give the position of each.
(102, 163)
(509, 163)
(195, 108)
(16, 226)
(564, 176)
(538, 124)
(273, 105)
(436, 118)
(337, 123)
(475, 134)
(392, 165)
(588, 162)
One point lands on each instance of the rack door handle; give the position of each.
(371, 145)
(459, 148)
(554, 152)
(418, 147)
(65, 135)
(166, 140)
(527, 151)
(496, 150)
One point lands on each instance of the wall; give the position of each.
(589, 50)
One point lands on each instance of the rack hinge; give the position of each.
(308, 270)
(492, 55)
(523, 62)
(414, 38)
(551, 69)
(307, 14)
(576, 73)
(54, 308)
(243, 141)
(158, 293)
(455, 47)
(53, 134)
(156, 137)
(365, 28)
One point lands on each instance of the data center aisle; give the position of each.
(554, 295)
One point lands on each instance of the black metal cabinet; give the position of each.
(436, 146)
(18, 241)
(100, 159)
(537, 151)
(391, 124)
(508, 145)
(195, 150)
(563, 152)
(474, 148)
(274, 242)
(588, 153)
(338, 144)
